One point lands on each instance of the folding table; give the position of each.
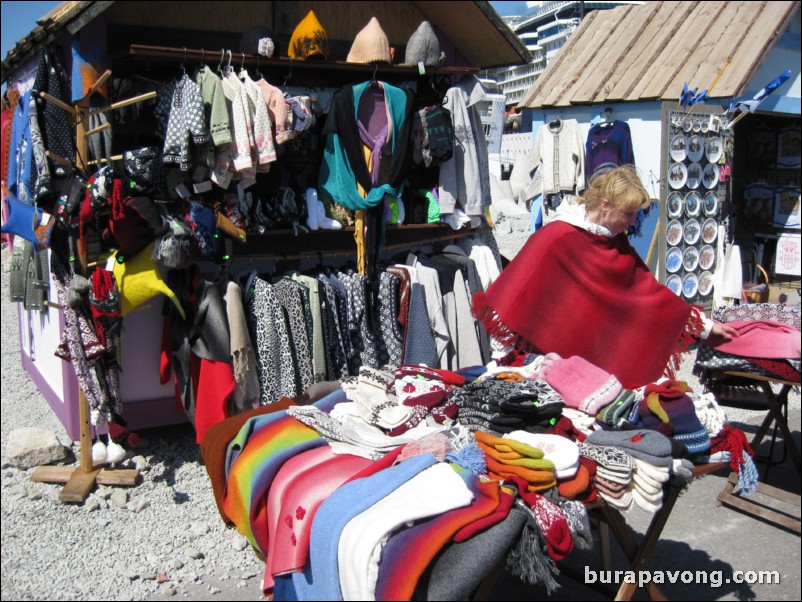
(776, 414)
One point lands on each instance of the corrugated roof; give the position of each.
(648, 52)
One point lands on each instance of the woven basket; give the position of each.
(756, 296)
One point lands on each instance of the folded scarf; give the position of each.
(762, 339)
(578, 281)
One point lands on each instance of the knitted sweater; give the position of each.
(608, 146)
(464, 179)
(263, 150)
(215, 102)
(559, 156)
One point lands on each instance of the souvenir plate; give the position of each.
(674, 204)
(705, 283)
(678, 144)
(690, 259)
(696, 148)
(697, 125)
(673, 260)
(691, 232)
(687, 124)
(690, 285)
(709, 230)
(710, 175)
(677, 175)
(705, 125)
(674, 284)
(707, 256)
(673, 232)
(713, 149)
(694, 175)
(693, 204)
(710, 204)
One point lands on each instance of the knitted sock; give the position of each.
(311, 209)
(323, 221)
(577, 517)
(421, 406)
(552, 522)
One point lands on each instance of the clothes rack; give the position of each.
(79, 482)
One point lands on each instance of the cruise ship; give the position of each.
(545, 28)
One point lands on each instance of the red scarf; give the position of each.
(575, 293)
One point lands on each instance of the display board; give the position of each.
(696, 174)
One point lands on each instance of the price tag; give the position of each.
(183, 191)
(421, 68)
(200, 187)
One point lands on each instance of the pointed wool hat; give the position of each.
(423, 47)
(370, 45)
(309, 40)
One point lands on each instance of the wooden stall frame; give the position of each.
(79, 481)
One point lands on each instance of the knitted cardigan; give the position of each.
(344, 166)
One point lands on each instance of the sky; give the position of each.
(19, 18)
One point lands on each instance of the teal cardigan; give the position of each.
(343, 163)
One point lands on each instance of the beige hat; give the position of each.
(370, 45)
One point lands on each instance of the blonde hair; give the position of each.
(621, 186)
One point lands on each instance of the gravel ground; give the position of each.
(159, 539)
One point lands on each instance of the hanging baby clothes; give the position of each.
(277, 111)
(180, 118)
(236, 158)
(214, 102)
(263, 151)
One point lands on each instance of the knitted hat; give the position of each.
(309, 40)
(655, 474)
(101, 186)
(645, 484)
(674, 416)
(581, 384)
(139, 280)
(644, 444)
(370, 45)
(563, 452)
(251, 41)
(142, 167)
(618, 410)
(613, 463)
(134, 223)
(575, 486)
(423, 47)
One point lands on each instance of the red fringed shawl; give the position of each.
(575, 293)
